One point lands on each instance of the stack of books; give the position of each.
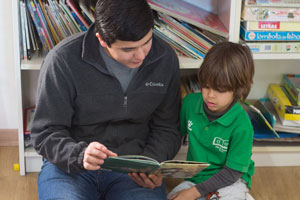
(277, 118)
(271, 26)
(188, 28)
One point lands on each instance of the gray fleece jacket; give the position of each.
(79, 101)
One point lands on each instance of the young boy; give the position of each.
(219, 130)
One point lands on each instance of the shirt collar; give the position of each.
(225, 119)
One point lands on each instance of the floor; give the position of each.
(269, 183)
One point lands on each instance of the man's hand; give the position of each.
(147, 181)
(94, 156)
(187, 194)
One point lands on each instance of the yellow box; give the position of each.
(288, 114)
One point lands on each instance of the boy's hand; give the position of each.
(147, 181)
(187, 194)
(94, 156)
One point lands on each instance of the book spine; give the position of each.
(292, 89)
(38, 27)
(55, 37)
(28, 46)
(275, 3)
(69, 15)
(72, 6)
(271, 26)
(24, 49)
(270, 14)
(274, 47)
(270, 35)
(43, 24)
(58, 21)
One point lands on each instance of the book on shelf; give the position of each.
(262, 120)
(291, 83)
(75, 9)
(279, 3)
(269, 35)
(38, 26)
(271, 26)
(274, 47)
(277, 125)
(28, 118)
(144, 164)
(190, 13)
(288, 113)
(271, 14)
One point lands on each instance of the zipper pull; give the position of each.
(125, 102)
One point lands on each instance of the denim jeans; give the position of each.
(53, 183)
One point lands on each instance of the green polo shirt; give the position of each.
(225, 141)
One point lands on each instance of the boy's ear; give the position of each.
(103, 44)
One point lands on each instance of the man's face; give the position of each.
(129, 53)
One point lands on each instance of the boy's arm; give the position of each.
(223, 178)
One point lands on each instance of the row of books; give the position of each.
(189, 29)
(44, 23)
(271, 26)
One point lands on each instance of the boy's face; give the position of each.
(129, 53)
(217, 101)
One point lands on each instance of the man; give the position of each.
(113, 90)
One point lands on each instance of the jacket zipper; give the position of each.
(125, 102)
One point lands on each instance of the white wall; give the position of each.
(8, 91)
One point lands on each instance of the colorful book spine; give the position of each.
(78, 14)
(291, 83)
(274, 47)
(275, 3)
(38, 27)
(270, 35)
(270, 14)
(271, 26)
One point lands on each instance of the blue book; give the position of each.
(270, 35)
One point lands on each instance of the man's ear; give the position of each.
(103, 44)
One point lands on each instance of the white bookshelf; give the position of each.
(229, 12)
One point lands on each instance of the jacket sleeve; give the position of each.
(53, 116)
(165, 140)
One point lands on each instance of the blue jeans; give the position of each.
(53, 183)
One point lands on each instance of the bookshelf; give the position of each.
(229, 12)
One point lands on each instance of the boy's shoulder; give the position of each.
(193, 97)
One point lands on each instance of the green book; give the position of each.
(144, 164)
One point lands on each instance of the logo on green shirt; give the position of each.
(220, 144)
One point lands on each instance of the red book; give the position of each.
(78, 14)
(190, 14)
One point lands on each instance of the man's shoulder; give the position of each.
(73, 43)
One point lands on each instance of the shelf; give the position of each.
(36, 62)
(189, 63)
(33, 64)
(30, 152)
(33, 161)
(276, 56)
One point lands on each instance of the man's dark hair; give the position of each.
(126, 20)
(228, 67)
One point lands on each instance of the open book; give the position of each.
(144, 164)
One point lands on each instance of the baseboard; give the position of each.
(9, 137)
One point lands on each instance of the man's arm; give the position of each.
(164, 140)
(50, 128)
